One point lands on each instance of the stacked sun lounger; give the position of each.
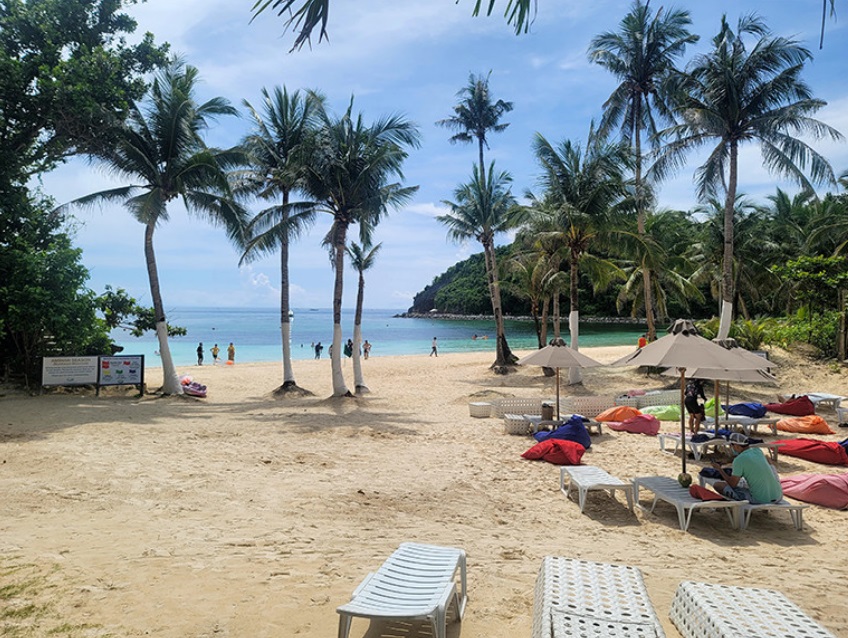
(701, 610)
(583, 599)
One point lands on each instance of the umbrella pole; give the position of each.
(717, 395)
(557, 383)
(683, 447)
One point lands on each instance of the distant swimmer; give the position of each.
(474, 338)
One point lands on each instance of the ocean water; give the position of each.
(255, 332)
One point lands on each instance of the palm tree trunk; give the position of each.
(503, 357)
(285, 321)
(574, 374)
(727, 265)
(339, 387)
(170, 381)
(543, 339)
(482, 166)
(358, 380)
(534, 312)
(641, 214)
(557, 332)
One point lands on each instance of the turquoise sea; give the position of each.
(255, 332)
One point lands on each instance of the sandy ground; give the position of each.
(245, 515)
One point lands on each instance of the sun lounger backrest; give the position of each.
(517, 405)
(664, 397)
(589, 407)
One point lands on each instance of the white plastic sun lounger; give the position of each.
(699, 449)
(746, 424)
(796, 511)
(582, 599)
(668, 490)
(417, 582)
(589, 477)
(701, 610)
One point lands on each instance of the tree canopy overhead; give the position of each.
(66, 72)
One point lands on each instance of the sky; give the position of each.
(409, 58)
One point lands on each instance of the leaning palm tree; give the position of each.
(582, 188)
(277, 150)
(735, 94)
(362, 258)
(348, 178)
(160, 147)
(640, 54)
(481, 210)
(476, 115)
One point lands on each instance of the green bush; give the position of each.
(819, 331)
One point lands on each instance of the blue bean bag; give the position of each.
(571, 430)
(753, 410)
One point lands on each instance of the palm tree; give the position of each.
(362, 258)
(582, 187)
(640, 55)
(481, 210)
(348, 178)
(735, 94)
(476, 115)
(161, 146)
(278, 149)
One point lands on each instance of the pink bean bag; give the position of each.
(639, 424)
(829, 490)
(826, 452)
(556, 451)
(799, 406)
(618, 413)
(811, 424)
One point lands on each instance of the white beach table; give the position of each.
(589, 477)
(701, 610)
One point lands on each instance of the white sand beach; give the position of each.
(244, 515)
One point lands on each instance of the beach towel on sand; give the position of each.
(639, 424)
(828, 490)
(826, 452)
(618, 413)
(810, 424)
(556, 451)
(571, 430)
(799, 406)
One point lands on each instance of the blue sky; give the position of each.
(405, 57)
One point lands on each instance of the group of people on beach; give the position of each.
(215, 350)
(348, 349)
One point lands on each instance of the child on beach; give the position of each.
(215, 350)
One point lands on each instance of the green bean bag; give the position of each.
(663, 412)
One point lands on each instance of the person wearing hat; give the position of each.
(763, 485)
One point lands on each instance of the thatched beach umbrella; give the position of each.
(684, 349)
(558, 355)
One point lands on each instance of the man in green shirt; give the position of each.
(749, 463)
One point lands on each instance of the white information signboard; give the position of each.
(69, 371)
(126, 370)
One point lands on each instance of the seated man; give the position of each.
(749, 463)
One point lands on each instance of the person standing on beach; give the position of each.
(643, 341)
(318, 349)
(231, 353)
(694, 389)
(434, 350)
(366, 349)
(200, 353)
(215, 350)
(348, 348)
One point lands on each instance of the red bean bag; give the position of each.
(556, 451)
(618, 413)
(639, 424)
(826, 452)
(829, 490)
(811, 424)
(799, 406)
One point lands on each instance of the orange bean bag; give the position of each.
(619, 413)
(810, 424)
